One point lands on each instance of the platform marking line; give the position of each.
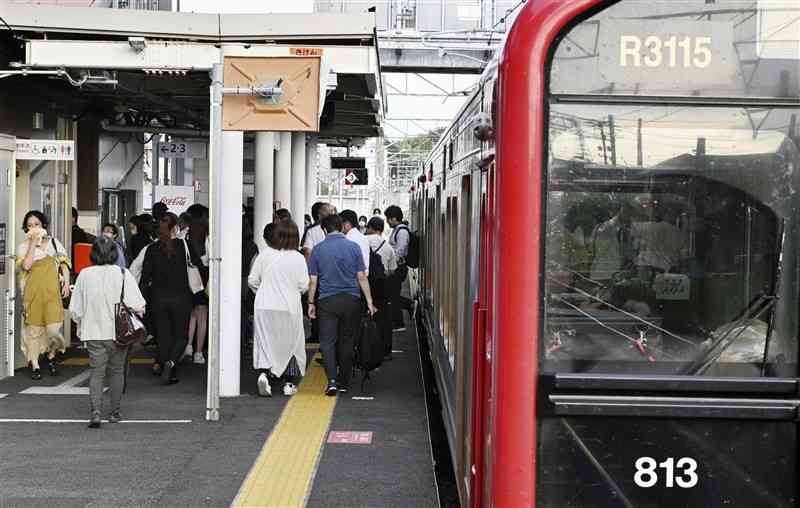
(69, 420)
(3, 395)
(284, 471)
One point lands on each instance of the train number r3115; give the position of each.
(656, 51)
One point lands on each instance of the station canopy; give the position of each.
(151, 68)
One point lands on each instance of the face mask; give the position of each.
(181, 234)
(362, 224)
(108, 235)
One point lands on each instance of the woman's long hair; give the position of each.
(198, 232)
(165, 227)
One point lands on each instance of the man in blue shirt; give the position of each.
(337, 267)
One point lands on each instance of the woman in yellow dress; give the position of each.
(44, 269)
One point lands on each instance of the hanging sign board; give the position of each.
(355, 172)
(44, 150)
(177, 197)
(182, 149)
(295, 108)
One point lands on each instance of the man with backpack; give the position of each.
(337, 268)
(402, 242)
(382, 264)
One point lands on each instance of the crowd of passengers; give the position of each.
(163, 276)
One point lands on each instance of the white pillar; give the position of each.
(283, 171)
(265, 184)
(311, 172)
(231, 267)
(298, 208)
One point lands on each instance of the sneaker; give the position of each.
(289, 389)
(330, 391)
(188, 351)
(94, 423)
(114, 417)
(199, 358)
(264, 389)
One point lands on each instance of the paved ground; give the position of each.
(67, 464)
(201, 463)
(397, 468)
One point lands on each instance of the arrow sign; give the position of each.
(351, 178)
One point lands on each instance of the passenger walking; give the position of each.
(165, 276)
(351, 231)
(378, 283)
(97, 290)
(44, 277)
(362, 225)
(143, 235)
(315, 234)
(111, 231)
(337, 267)
(281, 214)
(279, 276)
(399, 240)
(196, 236)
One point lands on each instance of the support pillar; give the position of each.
(311, 173)
(230, 236)
(283, 171)
(298, 208)
(265, 184)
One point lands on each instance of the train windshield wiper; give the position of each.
(755, 309)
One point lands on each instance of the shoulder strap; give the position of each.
(122, 292)
(186, 251)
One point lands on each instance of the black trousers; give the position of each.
(171, 313)
(338, 317)
(396, 302)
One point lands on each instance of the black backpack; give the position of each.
(369, 347)
(376, 268)
(412, 255)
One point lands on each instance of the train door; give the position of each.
(7, 177)
(481, 356)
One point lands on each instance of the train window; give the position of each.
(672, 240)
(723, 48)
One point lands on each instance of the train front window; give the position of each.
(672, 239)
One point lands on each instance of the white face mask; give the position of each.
(181, 234)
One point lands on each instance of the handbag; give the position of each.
(64, 301)
(195, 279)
(128, 328)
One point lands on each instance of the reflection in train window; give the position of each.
(672, 240)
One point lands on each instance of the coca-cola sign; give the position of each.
(177, 198)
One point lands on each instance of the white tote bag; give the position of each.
(195, 280)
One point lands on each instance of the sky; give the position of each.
(246, 6)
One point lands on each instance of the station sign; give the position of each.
(355, 172)
(295, 109)
(44, 150)
(182, 149)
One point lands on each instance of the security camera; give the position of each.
(137, 43)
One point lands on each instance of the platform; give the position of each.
(264, 452)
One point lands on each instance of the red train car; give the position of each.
(610, 266)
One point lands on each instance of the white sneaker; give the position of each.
(188, 351)
(289, 389)
(199, 358)
(264, 389)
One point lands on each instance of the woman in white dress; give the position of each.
(279, 276)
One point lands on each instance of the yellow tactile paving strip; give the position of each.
(284, 470)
